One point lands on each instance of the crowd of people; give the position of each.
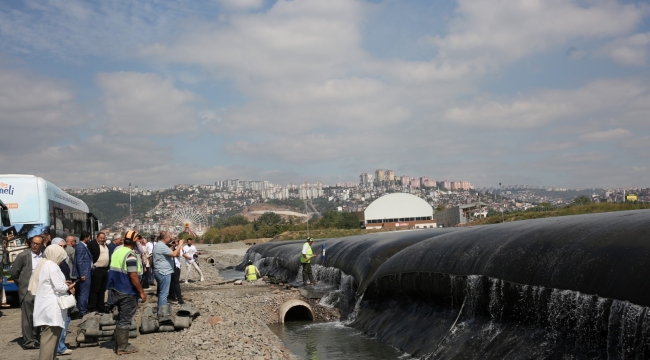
(54, 269)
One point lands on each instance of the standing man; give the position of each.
(21, 271)
(305, 259)
(47, 238)
(150, 244)
(117, 241)
(82, 269)
(188, 253)
(144, 258)
(71, 242)
(101, 260)
(124, 285)
(163, 260)
(175, 286)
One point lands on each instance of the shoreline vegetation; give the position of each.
(335, 225)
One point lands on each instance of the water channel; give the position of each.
(331, 340)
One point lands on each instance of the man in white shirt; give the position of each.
(189, 251)
(150, 245)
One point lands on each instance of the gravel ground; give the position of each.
(231, 325)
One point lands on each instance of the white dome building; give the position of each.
(399, 210)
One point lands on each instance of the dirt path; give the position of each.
(239, 333)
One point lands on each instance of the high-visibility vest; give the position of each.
(251, 273)
(309, 254)
(118, 276)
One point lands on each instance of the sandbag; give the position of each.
(97, 332)
(133, 334)
(148, 312)
(148, 325)
(187, 310)
(89, 322)
(166, 310)
(166, 321)
(166, 328)
(106, 319)
(108, 327)
(90, 344)
(182, 322)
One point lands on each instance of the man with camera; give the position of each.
(163, 260)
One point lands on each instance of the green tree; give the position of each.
(268, 225)
(581, 200)
(211, 236)
(269, 218)
(441, 207)
(185, 236)
(221, 223)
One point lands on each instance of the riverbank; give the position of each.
(232, 323)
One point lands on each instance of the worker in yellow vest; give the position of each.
(305, 259)
(252, 274)
(124, 285)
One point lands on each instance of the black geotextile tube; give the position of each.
(606, 254)
(359, 256)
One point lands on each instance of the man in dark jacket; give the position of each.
(21, 271)
(101, 261)
(82, 270)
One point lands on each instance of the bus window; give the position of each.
(5, 218)
(77, 227)
(58, 219)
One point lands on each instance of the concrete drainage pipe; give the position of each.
(295, 310)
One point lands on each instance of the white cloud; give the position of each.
(292, 40)
(548, 146)
(35, 110)
(145, 103)
(506, 30)
(638, 142)
(72, 29)
(607, 135)
(242, 4)
(631, 50)
(599, 100)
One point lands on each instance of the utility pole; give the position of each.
(307, 211)
(130, 213)
(501, 193)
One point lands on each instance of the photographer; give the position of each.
(163, 260)
(175, 287)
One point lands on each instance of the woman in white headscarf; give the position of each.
(47, 283)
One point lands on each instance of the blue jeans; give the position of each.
(84, 293)
(61, 348)
(163, 282)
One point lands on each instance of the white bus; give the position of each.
(37, 206)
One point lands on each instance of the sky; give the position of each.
(157, 93)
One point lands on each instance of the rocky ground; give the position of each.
(231, 325)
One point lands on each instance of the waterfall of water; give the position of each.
(556, 321)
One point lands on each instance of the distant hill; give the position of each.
(113, 206)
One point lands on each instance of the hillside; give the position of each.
(563, 211)
(113, 206)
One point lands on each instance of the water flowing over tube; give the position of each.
(574, 287)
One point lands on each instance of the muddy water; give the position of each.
(331, 340)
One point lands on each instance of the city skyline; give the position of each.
(550, 93)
